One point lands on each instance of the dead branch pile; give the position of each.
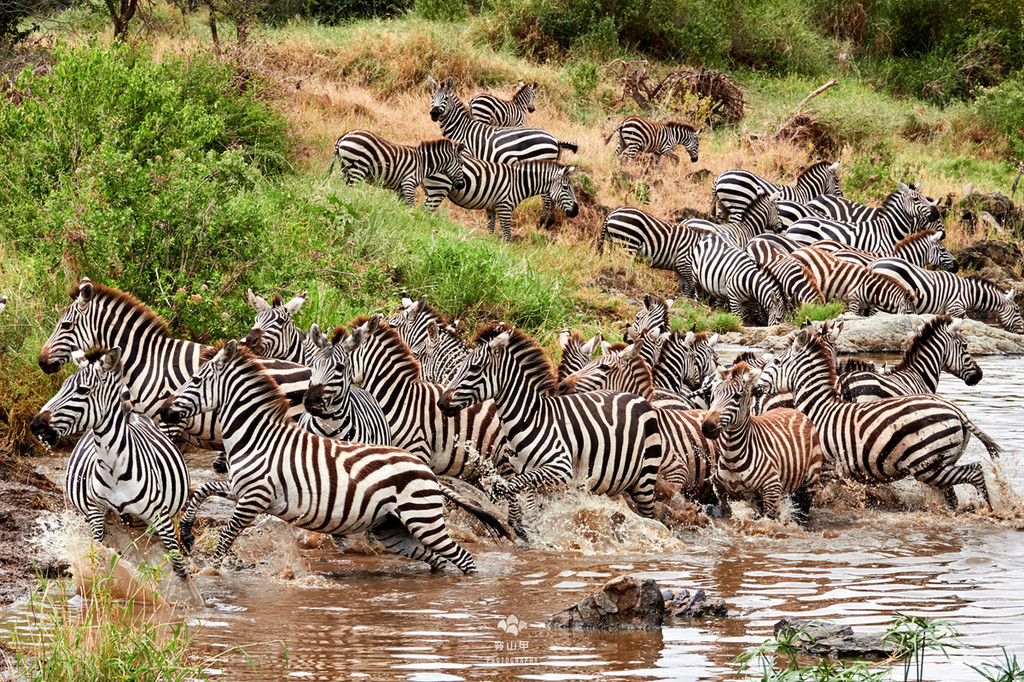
(805, 130)
(681, 90)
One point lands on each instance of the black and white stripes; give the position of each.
(637, 135)
(499, 112)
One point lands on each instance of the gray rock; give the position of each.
(999, 206)
(990, 221)
(624, 603)
(990, 252)
(683, 604)
(832, 640)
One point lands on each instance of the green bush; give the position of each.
(338, 11)
(1003, 107)
(584, 77)
(442, 10)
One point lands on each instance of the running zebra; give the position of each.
(638, 135)
(576, 352)
(487, 142)
(464, 446)
(881, 441)
(735, 189)
(499, 188)
(941, 293)
(315, 483)
(923, 249)
(500, 112)
(761, 216)
(725, 272)
(662, 245)
(363, 156)
(898, 218)
(123, 463)
(608, 441)
(440, 354)
(938, 347)
(155, 363)
(849, 211)
(761, 457)
(863, 289)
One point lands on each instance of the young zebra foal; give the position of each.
(364, 156)
(761, 457)
(315, 483)
(125, 464)
(495, 111)
(638, 135)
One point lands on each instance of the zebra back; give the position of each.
(499, 112)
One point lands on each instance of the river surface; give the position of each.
(318, 613)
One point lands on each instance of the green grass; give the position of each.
(816, 312)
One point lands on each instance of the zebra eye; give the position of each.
(195, 379)
(340, 367)
(82, 390)
(66, 325)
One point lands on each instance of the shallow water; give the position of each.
(351, 615)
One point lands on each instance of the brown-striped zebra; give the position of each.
(315, 483)
(761, 457)
(881, 441)
(862, 289)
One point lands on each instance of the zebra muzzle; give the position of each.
(170, 414)
(42, 429)
(444, 403)
(972, 377)
(314, 401)
(709, 427)
(254, 339)
(46, 364)
(435, 114)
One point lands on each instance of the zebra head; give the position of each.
(408, 322)
(85, 398)
(482, 374)
(956, 359)
(1009, 313)
(273, 333)
(832, 181)
(763, 213)
(730, 398)
(916, 206)
(442, 98)
(205, 391)
(524, 96)
(576, 352)
(76, 329)
(937, 255)
(427, 352)
(688, 136)
(676, 365)
(332, 372)
(653, 315)
(444, 158)
(563, 193)
(593, 376)
(776, 307)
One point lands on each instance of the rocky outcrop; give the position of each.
(988, 253)
(886, 333)
(999, 207)
(683, 604)
(832, 640)
(624, 603)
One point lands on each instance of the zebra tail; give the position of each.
(571, 146)
(993, 447)
(714, 202)
(330, 168)
(492, 522)
(604, 232)
(612, 133)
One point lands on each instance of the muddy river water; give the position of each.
(358, 616)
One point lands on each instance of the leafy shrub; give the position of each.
(337, 11)
(584, 77)
(442, 10)
(1003, 107)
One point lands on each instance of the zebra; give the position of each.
(941, 292)
(761, 457)
(795, 280)
(938, 347)
(3, 303)
(507, 113)
(683, 362)
(487, 142)
(637, 135)
(499, 188)
(576, 352)
(315, 483)
(923, 248)
(273, 333)
(723, 271)
(462, 446)
(861, 287)
(899, 217)
(881, 441)
(849, 211)
(735, 189)
(608, 441)
(653, 314)
(123, 463)
(440, 354)
(688, 459)
(362, 155)
(792, 211)
(155, 363)
(759, 217)
(660, 243)
(411, 322)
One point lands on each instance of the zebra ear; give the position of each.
(372, 324)
(111, 359)
(536, 84)
(3, 303)
(688, 340)
(432, 331)
(776, 196)
(414, 309)
(834, 167)
(315, 336)
(448, 82)
(901, 186)
(955, 325)
(500, 342)
(669, 302)
(713, 341)
(647, 300)
(634, 348)
(754, 375)
(406, 301)
(589, 346)
(605, 348)
(916, 187)
(563, 339)
(354, 340)
(938, 236)
(1012, 295)
(85, 290)
(293, 305)
(521, 84)
(720, 373)
(801, 339)
(228, 352)
(432, 83)
(835, 331)
(258, 304)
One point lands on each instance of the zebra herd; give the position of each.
(359, 430)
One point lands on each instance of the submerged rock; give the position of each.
(832, 640)
(624, 603)
(683, 604)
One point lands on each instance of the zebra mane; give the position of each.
(277, 301)
(890, 200)
(253, 366)
(618, 346)
(820, 347)
(339, 334)
(94, 354)
(525, 85)
(856, 365)
(810, 168)
(680, 124)
(390, 339)
(699, 337)
(914, 238)
(148, 315)
(747, 357)
(533, 359)
(984, 281)
(918, 342)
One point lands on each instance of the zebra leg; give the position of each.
(408, 194)
(164, 529)
(670, 154)
(547, 214)
(425, 521)
(505, 216)
(220, 463)
(771, 495)
(397, 538)
(630, 154)
(247, 508)
(945, 478)
(97, 518)
(188, 518)
(555, 474)
(802, 503)
(490, 222)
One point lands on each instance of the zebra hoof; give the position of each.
(220, 464)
